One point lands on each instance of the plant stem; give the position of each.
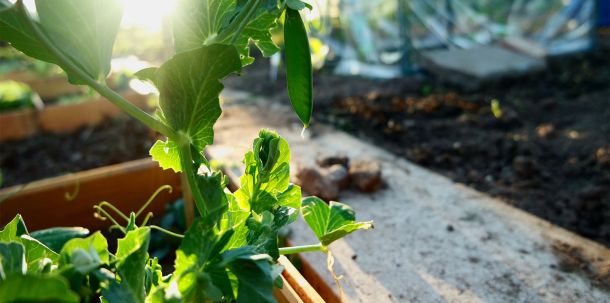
(302, 249)
(102, 89)
(186, 161)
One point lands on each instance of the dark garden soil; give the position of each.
(43, 156)
(546, 149)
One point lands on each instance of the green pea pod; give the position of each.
(298, 66)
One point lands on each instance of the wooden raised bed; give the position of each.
(49, 87)
(128, 185)
(62, 118)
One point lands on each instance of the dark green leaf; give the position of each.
(31, 288)
(255, 276)
(298, 66)
(15, 30)
(189, 86)
(12, 259)
(56, 237)
(330, 221)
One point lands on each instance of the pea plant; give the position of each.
(229, 252)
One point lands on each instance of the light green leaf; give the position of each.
(13, 230)
(37, 255)
(199, 21)
(83, 30)
(12, 259)
(15, 30)
(31, 288)
(189, 86)
(56, 237)
(167, 154)
(299, 75)
(332, 221)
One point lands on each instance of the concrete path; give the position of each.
(434, 240)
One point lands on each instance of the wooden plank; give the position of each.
(306, 292)
(47, 87)
(286, 294)
(43, 204)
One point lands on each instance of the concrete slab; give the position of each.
(434, 240)
(470, 67)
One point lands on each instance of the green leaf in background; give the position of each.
(189, 86)
(31, 288)
(299, 75)
(83, 30)
(167, 154)
(198, 21)
(95, 246)
(132, 256)
(330, 221)
(56, 237)
(12, 259)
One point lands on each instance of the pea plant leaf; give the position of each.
(299, 75)
(330, 222)
(12, 259)
(82, 30)
(15, 30)
(198, 21)
(254, 272)
(189, 87)
(13, 230)
(131, 256)
(56, 237)
(266, 192)
(167, 154)
(258, 31)
(37, 288)
(95, 246)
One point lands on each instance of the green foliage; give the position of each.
(331, 221)
(229, 252)
(56, 237)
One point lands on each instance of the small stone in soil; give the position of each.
(328, 161)
(314, 183)
(366, 175)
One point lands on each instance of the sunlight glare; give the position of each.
(148, 14)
